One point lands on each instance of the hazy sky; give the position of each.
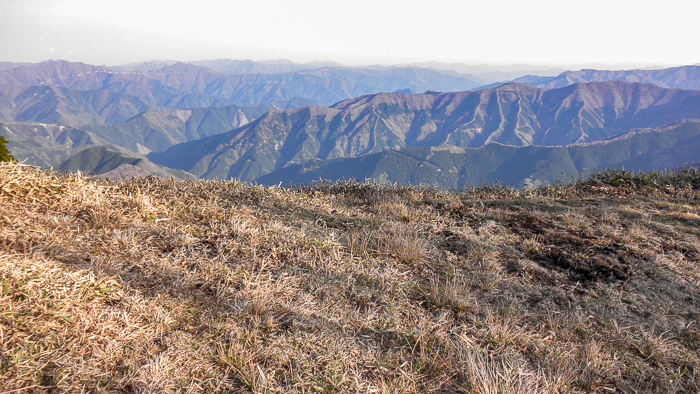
(353, 31)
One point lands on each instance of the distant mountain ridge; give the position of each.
(114, 118)
(114, 163)
(514, 114)
(9, 65)
(455, 168)
(243, 119)
(184, 85)
(74, 149)
(46, 145)
(51, 104)
(280, 66)
(157, 130)
(687, 77)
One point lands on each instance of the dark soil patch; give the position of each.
(586, 256)
(455, 243)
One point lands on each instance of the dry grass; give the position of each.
(160, 286)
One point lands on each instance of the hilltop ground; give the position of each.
(153, 285)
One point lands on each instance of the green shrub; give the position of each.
(4, 152)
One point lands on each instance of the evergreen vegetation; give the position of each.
(4, 152)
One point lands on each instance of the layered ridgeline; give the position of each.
(455, 168)
(183, 85)
(686, 77)
(231, 66)
(514, 114)
(48, 144)
(56, 105)
(73, 149)
(114, 163)
(157, 130)
(50, 111)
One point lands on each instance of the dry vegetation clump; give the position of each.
(153, 285)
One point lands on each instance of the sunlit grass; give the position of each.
(161, 286)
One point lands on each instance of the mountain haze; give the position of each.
(687, 77)
(183, 85)
(229, 66)
(9, 65)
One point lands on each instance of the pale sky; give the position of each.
(552, 32)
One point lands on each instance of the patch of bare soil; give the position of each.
(455, 243)
(586, 256)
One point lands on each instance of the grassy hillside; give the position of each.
(153, 285)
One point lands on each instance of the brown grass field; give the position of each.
(208, 287)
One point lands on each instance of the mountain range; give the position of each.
(46, 145)
(687, 77)
(512, 114)
(157, 130)
(28, 113)
(184, 85)
(263, 121)
(51, 104)
(455, 168)
(229, 66)
(73, 149)
(115, 163)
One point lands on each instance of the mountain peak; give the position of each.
(513, 86)
(372, 123)
(187, 68)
